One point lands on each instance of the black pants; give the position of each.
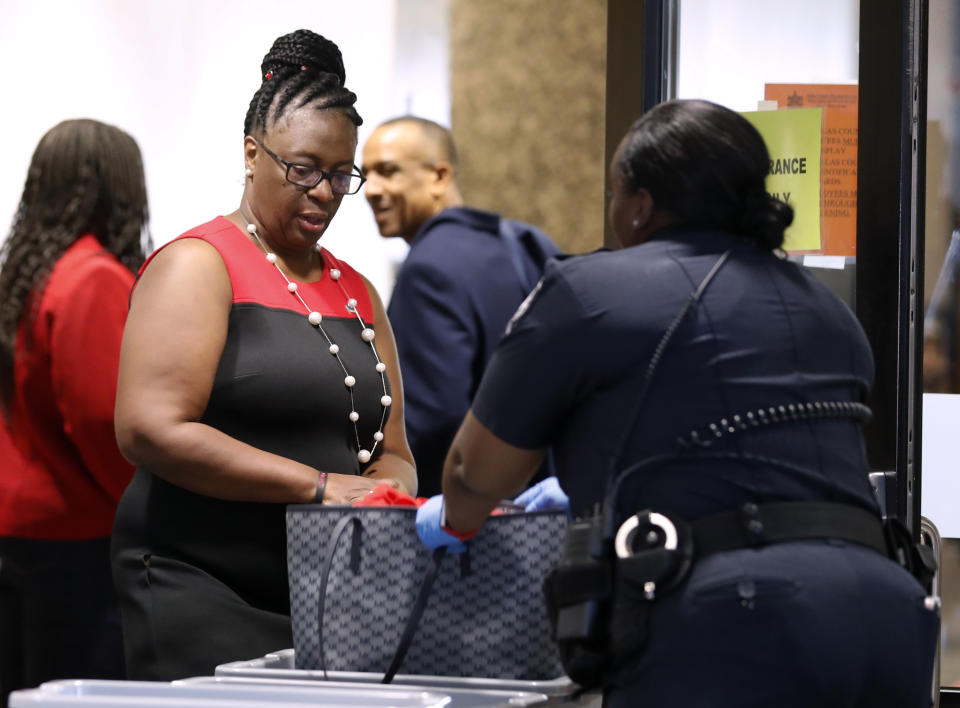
(179, 621)
(58, 613)
(791, 625)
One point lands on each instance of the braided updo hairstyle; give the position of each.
(85, 177)
(706, 166)
(301, 68)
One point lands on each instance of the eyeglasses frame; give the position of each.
(324, 175)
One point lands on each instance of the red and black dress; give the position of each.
(202, 580)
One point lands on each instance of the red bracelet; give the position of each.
(462, 535)
(321, 488)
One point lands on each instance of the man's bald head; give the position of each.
(411, 165)
(436, 139)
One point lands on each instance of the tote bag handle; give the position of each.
(413, 621)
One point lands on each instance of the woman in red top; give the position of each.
(64, 286)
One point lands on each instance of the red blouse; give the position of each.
(61, 473)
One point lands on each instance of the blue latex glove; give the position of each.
(430, 530)
(544, 496)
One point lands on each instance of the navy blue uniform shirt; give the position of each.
(765, 334)
(805, 623)
(453, 297)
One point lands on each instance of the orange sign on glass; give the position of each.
(838, 157)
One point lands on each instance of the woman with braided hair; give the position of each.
(68, 266)
(257, 370)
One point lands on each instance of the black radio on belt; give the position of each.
(578, 593)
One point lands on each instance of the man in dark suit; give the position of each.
(466, 273)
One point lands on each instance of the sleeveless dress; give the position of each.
(203, 581)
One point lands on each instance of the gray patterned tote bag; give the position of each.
(366, 595)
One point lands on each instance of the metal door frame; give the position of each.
(890, 224)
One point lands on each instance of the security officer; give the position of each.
(738, 410)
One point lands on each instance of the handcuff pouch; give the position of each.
(599, 597)
(653, 556)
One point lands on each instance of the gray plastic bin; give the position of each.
(459, 697)
(156, 694)
(281, 665)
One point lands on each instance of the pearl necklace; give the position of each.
(366, 334)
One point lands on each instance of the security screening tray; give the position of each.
(157, 694)
(459, 697)
(281, 665)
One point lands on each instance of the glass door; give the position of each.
(733, 53)
(940, 496)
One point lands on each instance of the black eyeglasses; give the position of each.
(308, 176)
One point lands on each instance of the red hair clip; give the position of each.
(268, 75)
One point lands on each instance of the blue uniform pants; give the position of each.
(823, 623)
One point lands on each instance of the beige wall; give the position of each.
(527, 95)
(939, 208)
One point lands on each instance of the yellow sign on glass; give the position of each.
(793, 141)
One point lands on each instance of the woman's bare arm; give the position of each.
(172, 343)
(480, 470)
